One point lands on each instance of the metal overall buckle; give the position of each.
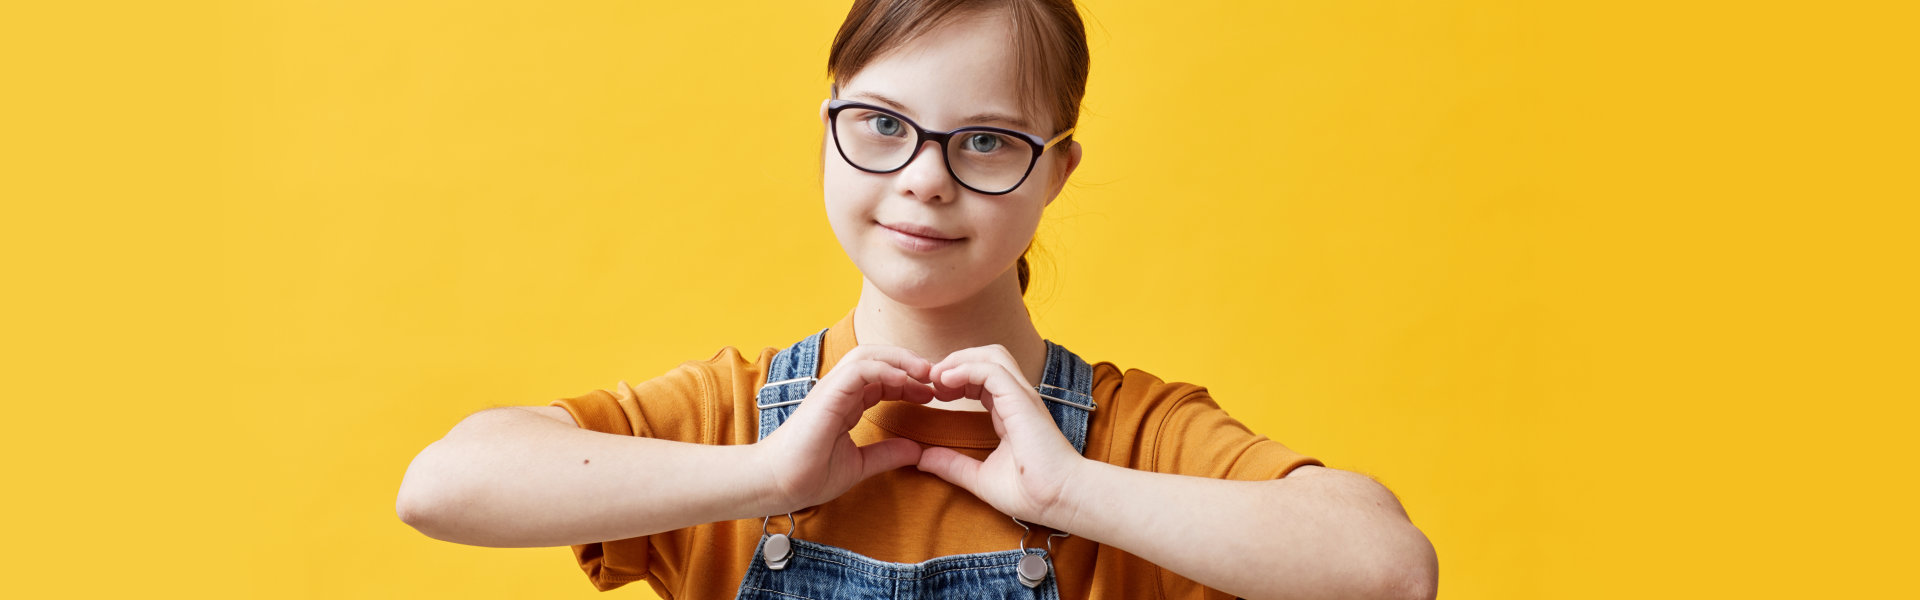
(1034, 568)
(778, 549)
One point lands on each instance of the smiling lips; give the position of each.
(919, 239)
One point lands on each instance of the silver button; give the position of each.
(1033, 570)
(778, 551)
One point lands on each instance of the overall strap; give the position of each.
(789, 377)
(1066, 388)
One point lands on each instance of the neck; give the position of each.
(996, 315)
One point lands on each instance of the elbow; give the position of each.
(437, 488)
(1414, 571)
(415, 509)
(424, 502)
(1406, 566)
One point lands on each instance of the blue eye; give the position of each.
(885, 125)
(981, 142)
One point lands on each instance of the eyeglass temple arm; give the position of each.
(1056, 139)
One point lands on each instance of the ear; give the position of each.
(1073, 162)
(823, 110)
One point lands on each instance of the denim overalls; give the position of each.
(811, 571)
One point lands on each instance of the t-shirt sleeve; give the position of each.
(675, 406)
(1194, 436)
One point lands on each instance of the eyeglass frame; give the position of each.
(1040, 146)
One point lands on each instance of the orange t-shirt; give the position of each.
(906, 515)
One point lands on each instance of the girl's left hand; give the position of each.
(1026, 476)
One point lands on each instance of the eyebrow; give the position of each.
(986, 117)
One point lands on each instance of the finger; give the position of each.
(956, 381)
(900, 358)
(846, 394)
(999, 420)
(911, 391)
(849, 390)
(1004, 397)
(854, 378)
(993, 353)
(983, 380)
(891, 382)
(945, 393)
(887, 455)
(916, 392)
(956, 468)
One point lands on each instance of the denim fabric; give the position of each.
(822, 572)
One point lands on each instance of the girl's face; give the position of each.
(916, 234)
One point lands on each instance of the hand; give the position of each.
(1024, 477)
(811, 459)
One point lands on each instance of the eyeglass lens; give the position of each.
(985, 160)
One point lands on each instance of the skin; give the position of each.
(966, 295)
(946, 328)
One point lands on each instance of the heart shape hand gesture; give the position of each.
(812, 459)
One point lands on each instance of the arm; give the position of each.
(1318, 533)
(523, 477)
(527, 476)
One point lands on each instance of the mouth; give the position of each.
(919, 238)
(920, 231)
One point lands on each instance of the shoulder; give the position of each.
(716, 379)
(730, 380)
(1177, 427)
(1134, 410)
(730, 363)
(1136, 391)
(727, 370)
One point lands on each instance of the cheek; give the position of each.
(848, 204)
(839, 179)
(1015, 225)
(840, 190)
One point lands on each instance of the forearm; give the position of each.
(1323, 536)
(512, 478)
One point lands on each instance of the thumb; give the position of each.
(887, 455)
(958, 469)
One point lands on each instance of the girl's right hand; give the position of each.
(811, 459)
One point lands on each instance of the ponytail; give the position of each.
(1025, 274)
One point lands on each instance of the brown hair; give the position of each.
(1050, 49)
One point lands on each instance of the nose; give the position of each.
(926, 177)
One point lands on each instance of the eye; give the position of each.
(981, 142)
(885, 125)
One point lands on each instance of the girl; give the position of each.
(947, 132)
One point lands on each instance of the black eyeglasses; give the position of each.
(988, 160)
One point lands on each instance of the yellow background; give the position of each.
(1617, 297)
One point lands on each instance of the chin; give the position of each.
(919, 294)
(920, 289)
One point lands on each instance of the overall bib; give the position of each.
(788, 568)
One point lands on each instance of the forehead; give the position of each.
(958, 70)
